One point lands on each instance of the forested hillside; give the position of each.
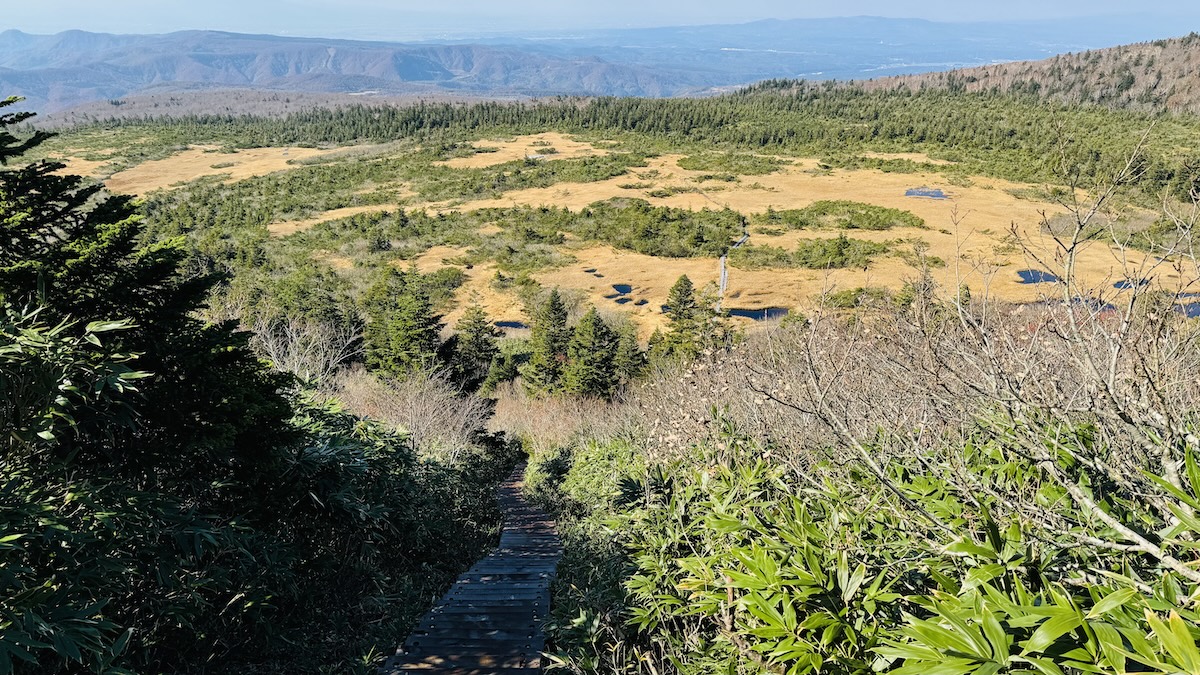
(1149, 76)
(815, 379)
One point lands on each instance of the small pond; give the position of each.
(927, 193)
(624, 301)
(764, 314)
(1129, 284)
(1191, 310)
(623, 289)
(514, 325)
(1037, 277)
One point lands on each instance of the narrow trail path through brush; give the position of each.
(490, 622)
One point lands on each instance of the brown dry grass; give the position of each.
(500, 305)
(285, 228)
(199, 161)
(82, 167)
(522, 147)
(650, 277)
(977, 251)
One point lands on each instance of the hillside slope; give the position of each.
(1148, 76)
(58, 71)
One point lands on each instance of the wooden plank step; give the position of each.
(466, 670)
(490, 621)
(472, 658)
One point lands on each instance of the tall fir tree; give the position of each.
(589, 370)
(628, 359)
(403, 332)
(476, 347)
(696, 324)
(681, 304)
(549, 340)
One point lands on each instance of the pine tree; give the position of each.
(696, 324)
(403, 333)
(589, 370)
(681, 304)
(628, 360)
(78, 256)
(712, 326)
(477, 347)
(549, 340)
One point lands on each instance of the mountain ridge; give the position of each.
(69, 69)
(1151, 76)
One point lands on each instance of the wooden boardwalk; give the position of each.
(490, 621)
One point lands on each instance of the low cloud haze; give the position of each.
(406, 19)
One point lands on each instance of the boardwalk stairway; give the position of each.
(490, 621)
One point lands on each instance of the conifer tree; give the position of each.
(696, 324)
(681, 304)
(476, 345)
(403, 333)
(543, 372)
(589, 370)
(628, 359)
(78, 255)
(682, 339)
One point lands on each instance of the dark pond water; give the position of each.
(597, 275)
(591, 270)
(1129, 284)
(642, 303)
(515, 325)
(1191, 310)
(612, 296)
(1037, 277)
(761, 314)
(928, 193)
(623, 289)
(624, 301)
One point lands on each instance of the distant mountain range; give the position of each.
(62, 71)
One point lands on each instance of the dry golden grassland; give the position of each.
(970, 232)
(525, 146)
(200, 161)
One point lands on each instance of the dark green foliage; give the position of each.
(723, 561)
(1013, 136)
(629, 362)
(548, 346)
(661, 231)
(475, 346)
(403, 333)
(590, 369)
(844, 215)
(740, 164)
(514, 354)
(165, 508)
(816, 254)
(696, 325)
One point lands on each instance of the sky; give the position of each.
(411, 19)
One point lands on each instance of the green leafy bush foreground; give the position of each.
(776, 513)
(167, 503)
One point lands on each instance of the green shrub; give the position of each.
(817, 254)
(844, 215)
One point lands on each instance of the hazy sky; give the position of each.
(406, 19)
